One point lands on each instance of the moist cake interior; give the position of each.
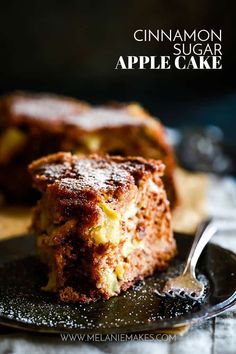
(102, 223)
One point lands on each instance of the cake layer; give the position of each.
(34, 125)
(102, 223)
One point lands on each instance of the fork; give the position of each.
(187, 285)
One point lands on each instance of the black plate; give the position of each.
(24, 305)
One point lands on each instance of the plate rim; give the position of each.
(9, 323)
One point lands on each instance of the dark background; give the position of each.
(71, 47)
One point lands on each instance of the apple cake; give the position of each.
(102, 223)
(34, 125)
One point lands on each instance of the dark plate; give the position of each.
(24, 305)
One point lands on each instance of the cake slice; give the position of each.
(34, 125)
(30, 127)
(102, 223)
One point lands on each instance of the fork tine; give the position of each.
(182, 294)
(171, 293)
(194, 297)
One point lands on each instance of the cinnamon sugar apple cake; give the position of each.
(34, 125)
(101, 224)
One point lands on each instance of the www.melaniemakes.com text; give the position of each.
(191, 50)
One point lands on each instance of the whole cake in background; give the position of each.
(102, 223)
(34, 125)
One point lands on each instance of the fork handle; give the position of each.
(204, 233)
